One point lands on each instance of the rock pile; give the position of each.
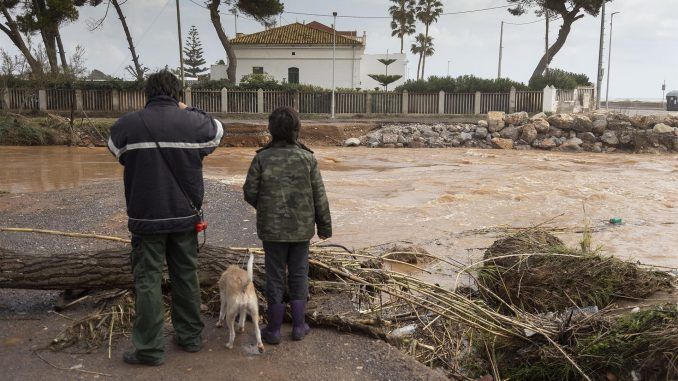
(596, 132)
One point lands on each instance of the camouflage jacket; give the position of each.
(285, 187)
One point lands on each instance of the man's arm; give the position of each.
(116, 142)
(251, 187)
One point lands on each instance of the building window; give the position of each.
(293, 74)
(257, 70)
(294, 53)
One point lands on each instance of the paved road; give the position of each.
(642, 111)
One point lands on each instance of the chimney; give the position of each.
(239, 35)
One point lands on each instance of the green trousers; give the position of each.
(149, 252)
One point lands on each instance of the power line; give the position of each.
(532, 22)
(389, 17)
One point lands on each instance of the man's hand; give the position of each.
(182, 105)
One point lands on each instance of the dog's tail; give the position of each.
(250, 271)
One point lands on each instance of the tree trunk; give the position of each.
(48, 37)
(135, 58)
(423, 63)
(107, 269)
(230, 54)
(419, 65)
(62, 52)
(12, 31)
(402, 41)
(568, 20)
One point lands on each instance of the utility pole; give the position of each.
(334, 48)
(501, 42)
(448, 68)
(663, 94)
(181, 48)
(609, 59)
(599, 82)
(546, 14)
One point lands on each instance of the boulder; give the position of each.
(599, 126)
(389, 138)
(416, 144)
(510, 132)
(481, 132)
(529, 133)
(554, 132)
(541, 125)
(587, 137)
(465, 136)
(517, 118)
(571, 145)
(662, 128)
(455, 143)
(547, 143)
(352, 142)
(625, 136)
(456, 128)
(374, 144)
(482, 123)
(582, 123)
(618, 122)
(644, 121)
(496, 135)
(502, 143)
(650, 141)
(535, 117)
(562, 121)
(610, 138)
(495, 120)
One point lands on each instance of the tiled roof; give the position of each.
(323, 27)
(293, 34)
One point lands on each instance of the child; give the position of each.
(285, 187)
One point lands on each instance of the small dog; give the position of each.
(238, 296)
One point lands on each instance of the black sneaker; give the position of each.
(131, 358)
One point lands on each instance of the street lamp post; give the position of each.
(609, 59)
(334, 48)
(181, 49)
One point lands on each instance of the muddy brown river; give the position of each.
(451, 201)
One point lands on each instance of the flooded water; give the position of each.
(451, 201)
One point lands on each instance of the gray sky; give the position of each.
(645, 39)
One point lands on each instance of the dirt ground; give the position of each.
(27, 322)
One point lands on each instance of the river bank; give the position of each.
(28, 323)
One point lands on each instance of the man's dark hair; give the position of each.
(163, 83)
(284, 125)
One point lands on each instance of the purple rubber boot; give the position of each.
(299, 326)
(271, 333)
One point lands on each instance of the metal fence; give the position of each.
(494, 102)
(529, 101)
(253, 101)
(460, 103)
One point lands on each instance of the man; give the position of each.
(164, 192)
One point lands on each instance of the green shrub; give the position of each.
(19, 132)
(461, 84)
(559, 78)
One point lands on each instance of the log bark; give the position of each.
(225, 42)
(106, 269)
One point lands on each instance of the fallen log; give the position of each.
(105, 269)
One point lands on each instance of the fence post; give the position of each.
(295, 100)
(260, 101)
(78, 100)
(42, 100)
(224, 100)
(476, 103)
(549, 101)
(406, 102)
(441, 102)
(5, 98)
(512, 100)
(368, 103)
(115, 99)
(188, 97)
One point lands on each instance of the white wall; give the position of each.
(314, 63)
(370, 65)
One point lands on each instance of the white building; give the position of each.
(302, 53)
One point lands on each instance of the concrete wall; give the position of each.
(314, 63)
(370, 65)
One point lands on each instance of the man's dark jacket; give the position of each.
(155, 203)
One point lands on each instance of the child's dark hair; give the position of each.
(163, 83)
(284, 125)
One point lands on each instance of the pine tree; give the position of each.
(193, 53)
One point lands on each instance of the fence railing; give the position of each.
(320, 102)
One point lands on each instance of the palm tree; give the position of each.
(428, 12)
(423, 46)
(403, 19)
